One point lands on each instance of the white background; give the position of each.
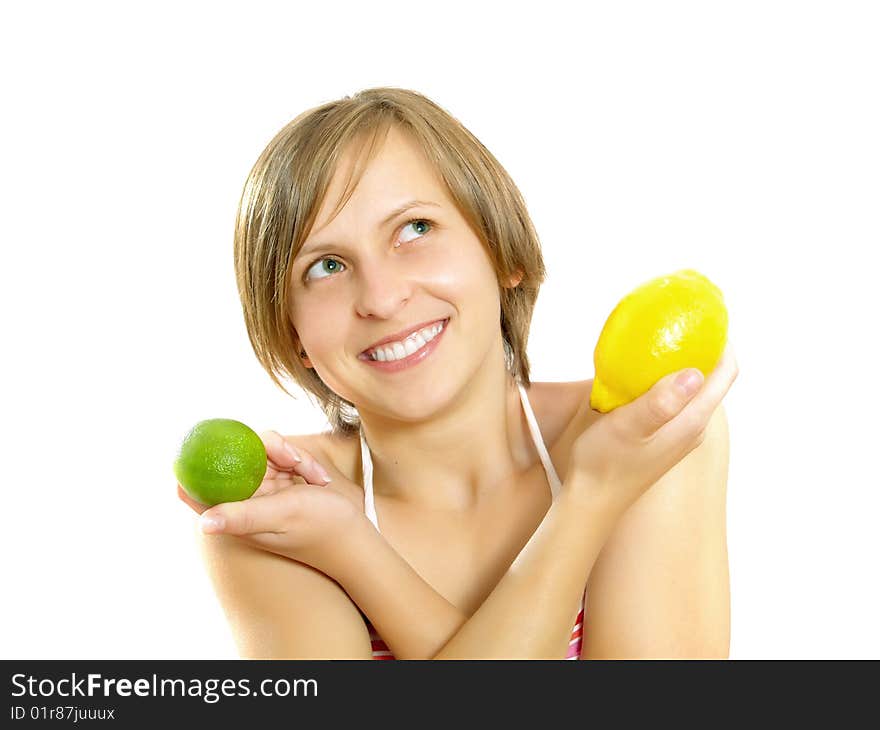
(740, 139)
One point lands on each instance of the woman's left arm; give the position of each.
(660, 587)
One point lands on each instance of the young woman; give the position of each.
(387, 265)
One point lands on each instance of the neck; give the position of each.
(472, 449)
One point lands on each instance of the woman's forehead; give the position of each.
(398, 167)
(398, 177)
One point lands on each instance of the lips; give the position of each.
(402, 335)
(414, 359)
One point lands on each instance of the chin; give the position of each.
(417, 406)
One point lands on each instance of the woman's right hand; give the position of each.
(623, 453)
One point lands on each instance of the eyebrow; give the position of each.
(398, 211)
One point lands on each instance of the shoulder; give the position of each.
(558, 405)
(338, 453)
(563, 412)
(328, 448)
(315, 443)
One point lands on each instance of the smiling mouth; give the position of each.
(407, 347)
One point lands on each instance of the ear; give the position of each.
(515, 279)
(301, 353)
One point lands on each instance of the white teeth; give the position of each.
(399, 350)
(411, 344)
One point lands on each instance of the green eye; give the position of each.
(326, 265)
(330, 266)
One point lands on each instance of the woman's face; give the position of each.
(360, 278)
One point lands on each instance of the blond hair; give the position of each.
(285, 189)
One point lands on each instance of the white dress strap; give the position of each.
(552, 477)
(367, 467)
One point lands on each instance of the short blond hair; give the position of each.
(286, 187)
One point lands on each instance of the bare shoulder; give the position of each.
(563, 413)
(338, 453)
(558, 404)
(318, 444)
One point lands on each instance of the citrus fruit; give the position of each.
(220, 460)
(667, 324)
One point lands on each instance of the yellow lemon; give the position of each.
(668, 324)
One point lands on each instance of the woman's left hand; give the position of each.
(312, 523)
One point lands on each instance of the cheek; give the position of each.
(458, 273)
(318, 325)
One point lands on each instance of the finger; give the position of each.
(281, 454)
(683, 432)
(286, 458)
(270, 486)
(186, 499)
(696, 415)
(643, 417)
(311, 470)
(269, 541)
(254, 515)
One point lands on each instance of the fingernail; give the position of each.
(689, 381)
(323, 474)
(211, 523)
(292, 451)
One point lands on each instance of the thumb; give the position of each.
(665, 400)
(256, 514)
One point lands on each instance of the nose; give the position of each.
(382, 288)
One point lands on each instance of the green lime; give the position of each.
(220, 460)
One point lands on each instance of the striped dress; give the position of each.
(380, 648)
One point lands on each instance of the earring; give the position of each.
(302, 353)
